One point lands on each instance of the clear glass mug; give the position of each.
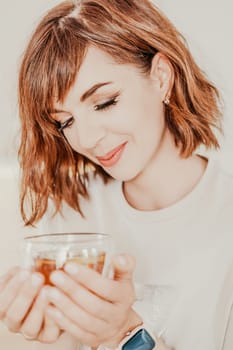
(47, 252)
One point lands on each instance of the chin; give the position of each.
(124, 175)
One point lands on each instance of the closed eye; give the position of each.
(66, 124)
(104, 106)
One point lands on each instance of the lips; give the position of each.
(112, 157)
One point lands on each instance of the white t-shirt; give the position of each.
(184, 253)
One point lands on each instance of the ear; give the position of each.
(162, 74)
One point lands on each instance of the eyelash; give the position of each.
(65, 124)
(108, 104)
(101, 107)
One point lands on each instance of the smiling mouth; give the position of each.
(112, 157)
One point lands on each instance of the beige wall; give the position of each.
(209, 37)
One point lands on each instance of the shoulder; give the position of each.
(222, 172)
(223, 169)
(220, 186)
(222, 221)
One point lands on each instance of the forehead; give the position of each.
(99, 67)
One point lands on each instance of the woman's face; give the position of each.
(113, 115)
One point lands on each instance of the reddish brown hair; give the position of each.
(132, 32)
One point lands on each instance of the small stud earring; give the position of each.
(166, 101)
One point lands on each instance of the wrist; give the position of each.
(137, 337)
(133, 321)
(142, 337)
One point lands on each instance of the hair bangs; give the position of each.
(66, 52)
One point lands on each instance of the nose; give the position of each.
(90, 132)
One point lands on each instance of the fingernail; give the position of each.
(122, 260)
(36, 280)
(71, 268)
(57, 278)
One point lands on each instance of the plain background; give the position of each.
(208, 28)
(207, 25)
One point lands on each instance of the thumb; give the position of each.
(123, 267)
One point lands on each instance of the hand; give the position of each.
(22, 306)
(94, 309)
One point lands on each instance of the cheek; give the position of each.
(73, 143)
(149, 120)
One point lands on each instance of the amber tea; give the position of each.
(47, 266)
(48, 252)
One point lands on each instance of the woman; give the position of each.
(113, 110)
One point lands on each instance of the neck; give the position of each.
(166, 180)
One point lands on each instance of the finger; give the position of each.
(33, 323)
(6, 277)
(105, 288)
(50, 331)
(123, 266)
(20, 306)
(10, 291)
(74, 312)
(67, 325)
(81, 296)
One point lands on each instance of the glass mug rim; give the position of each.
(67, 237)
(45, 253)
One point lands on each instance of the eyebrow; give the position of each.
(92, 90)
(86, 94)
